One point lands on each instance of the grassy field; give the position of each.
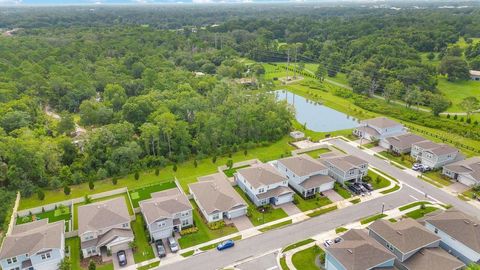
(204, 234)
(62, 213)
(438, 177)
(408, 206)
(322, 211)
(186, 173)
(306, 258)
(313, 203)
(144, 250)
(405, 160)
(230, 172)
(145, 192)
(457, 91)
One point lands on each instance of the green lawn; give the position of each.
(283, 263)
(395, 188)
(355, 201)
(438, 177)
(372, 218)
(406, 160)
(342, 191)
(310, 204)
(75, 207)
(340, 229)
(145, 192)
(149, 266)
(322, 211)
(457, 91)
(73, 245)
(62, 213)
(230, 172)
(298, 244)
(419, 213)
(204, 234)
(255, 216)
(377, 180)
(188, 253)
(318, 152)
(186, 173)
(276, 226)
(408, 206)
(144, 250)
(305, 259)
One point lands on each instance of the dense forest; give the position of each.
(89, 93)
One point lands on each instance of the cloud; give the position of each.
(10, 2)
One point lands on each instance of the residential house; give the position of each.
(297, 135)
(263, 184)
(166, 212)
(216, 198)
(104, 226)
(378, 129)
(357, 251)
(459, 234)
(305, 174)
(37, 245)
(346, 168)
(414, 247)
(465, 171)
(434, 155)
(401, 144)
(475, 75)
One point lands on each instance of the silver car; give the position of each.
(172, 243)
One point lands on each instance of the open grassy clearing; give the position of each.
(306, 258)
(457, 91)
(144, 193)
(230, 172)
(144, 250)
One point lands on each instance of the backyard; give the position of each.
(143, 250)
(145, 192)
(231, 171)
(308, 259)
(61, 213)
(318, 152)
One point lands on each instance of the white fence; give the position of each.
(312, 148)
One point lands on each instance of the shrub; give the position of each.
(92, 265)
(188, 231)
(157, 171)
(216, 225)
(114, 180)
(66, 190)
(214, 159)
(40, 195)
(175, 167)
(91, 185)
(229, 163)
(195, 163)
(136, 175)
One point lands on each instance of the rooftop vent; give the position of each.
(399, 233)
(350, 251)
(466, 221)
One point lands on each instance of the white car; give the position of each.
(328, 243)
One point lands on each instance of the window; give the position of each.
(436, 230)
(16, 268)
(125, 225)
(261, 190)
(46, 256)
(12, 260)
(185, 222)
(390, 247)
(216, 216)
(161, 224)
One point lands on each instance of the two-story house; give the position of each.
(263, 184)
(346, 168)
(434, 155)
(166, 212)
(37, 245)
(401, 144)
(413, 245)
(217, 199)
(357, 251)
(465, 171)
(305, 174)
(378, 129)
(459, 234)
(104, 226)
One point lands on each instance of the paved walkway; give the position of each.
(333, 196)
(290, 208)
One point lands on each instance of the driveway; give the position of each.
(290, 208)
(458, 187)
(130, 260)
(332, 195)
(242, 223)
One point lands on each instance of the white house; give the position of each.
(166, 212)
(216, 198)
(37, 245)
(401, 144)
(346, 168)
(264, 185)
(475, 75)
(434, 155)
(465, 171)
(305, 174)
(104, 225)
(378, 129)
(459, 233)
(297, 135)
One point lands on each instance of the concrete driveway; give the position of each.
(130, 260)
(290, 208)
(242, 223)
(458, 187)
(332, 195)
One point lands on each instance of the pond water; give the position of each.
(317, 117)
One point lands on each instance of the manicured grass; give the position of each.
(204, 234)
(430, 181)
(230, 172)
(377, 180)
(188, 253)
(276, 226)
(408, 206)
(144, 250)
(372, 218)
(392, 220)
(305, 259)
(75, 207)
(318, 152)
(214, 245)
(145, 192)
(395, 188)
(186, 173)
(298, 244)
(315, 136)
(370, 145)
(340, 229)
(108, 266)
(355, 201)
(406, 160)
(322, 211)
(53, 216)
(438, 177)
(255, 216)
(419, 213)
(74, 247)
(458, 90)
(342, 191)
(149, 266)
(463, 197)
(313, 203)
(283, 263)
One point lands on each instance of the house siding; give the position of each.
(98, 234)
(331, 263)
(252, 192)
(295, 181)
(383, 242)
(37, 263)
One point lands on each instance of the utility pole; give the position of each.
(295, 66)
(288, 62)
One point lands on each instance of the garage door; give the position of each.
(327, 186)
(162, 235)
(119, 247)
(237, 213)
(466, 181)
(284, 199)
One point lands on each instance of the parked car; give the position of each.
(122, 258)
(417, 166)
(225, 244)
(354, 189)
(328, 243)
(359, 186)
(160, 248)
(172, 243)
(368, 186)
(426, 168)
(337, 240)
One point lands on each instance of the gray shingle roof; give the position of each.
(462, 227)
(357, 251)
(164, 204)
(381, 122)
(214, 193)
(302, 165)
(33, 237)
(406, 235)
(316, 181)
(436, 148)
(405, 140)
(433, 258)
(469, 166)
(344, 163)
(261, 175)
(275, 192)
(103, 214)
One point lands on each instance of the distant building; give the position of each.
(475, 75)
(297, 135)
(465, 171)
(346, 168)
(378, 129)
(435, 155)
(401, 144)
